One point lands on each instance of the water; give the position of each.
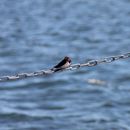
(36, 34)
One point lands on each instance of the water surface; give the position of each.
(36, 34)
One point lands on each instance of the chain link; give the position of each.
(72, 67)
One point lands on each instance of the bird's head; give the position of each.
(67, 59)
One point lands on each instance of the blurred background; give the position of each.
(35, 35)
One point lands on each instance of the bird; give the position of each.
(66, 62)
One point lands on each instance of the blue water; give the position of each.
(35, 35)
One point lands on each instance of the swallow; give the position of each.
(66, 62)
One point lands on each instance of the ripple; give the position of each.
(22, 117)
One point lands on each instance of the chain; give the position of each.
(72, 67)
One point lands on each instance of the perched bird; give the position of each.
(66, 62)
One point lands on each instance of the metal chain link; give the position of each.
(72, 67)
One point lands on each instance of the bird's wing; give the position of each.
(60, 64)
